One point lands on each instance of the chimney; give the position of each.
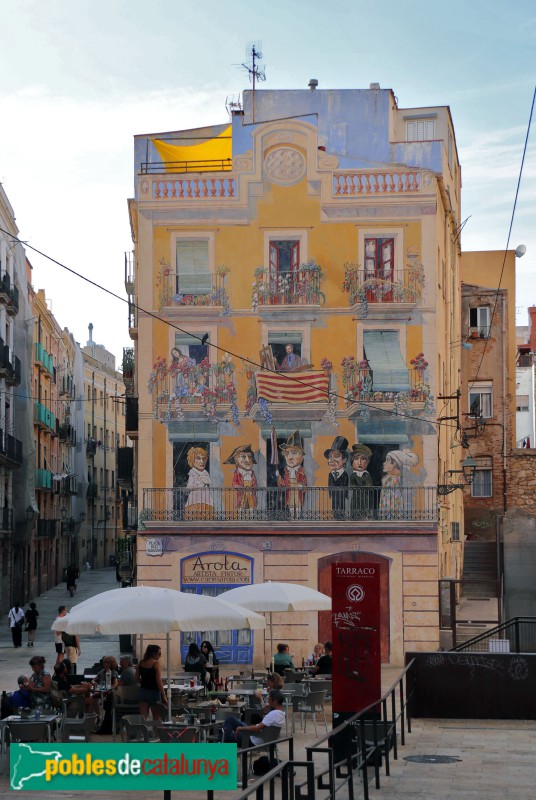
(313, 83)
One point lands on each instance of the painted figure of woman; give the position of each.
(394, 500)
(199, 504)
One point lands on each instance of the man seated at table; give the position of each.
(127, 673)
(282, 659)
(68, 690)
(22, 697)
(233, 727)
(324, 664)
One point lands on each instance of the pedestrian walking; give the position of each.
(71, 576)
(58, 641)
(31, 623)
(16, 621)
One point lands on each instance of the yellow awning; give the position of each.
(199, 156)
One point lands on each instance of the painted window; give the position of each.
(482, 485)
(284, 256)
(193, 267)
(190, 347)
(286, 344)
(420, 130)
(379, 258)
(479, 320)
(481, 399)
(389, 371)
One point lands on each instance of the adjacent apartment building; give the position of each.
(294, 294)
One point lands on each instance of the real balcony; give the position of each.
(131, 417)
(9, 294)
(44, 418)
(128, 370)
(48, 528)
(6, 520)
(12, 449)
(300, 287)
(130, 274)
(91, 447)
(66, 387)
(10, 367)
(43, 479)
(132, 318)
(92, 492)
(44, 359)
(335, 505)
(67, 433)
(125, 466)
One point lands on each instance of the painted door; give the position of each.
(379, 264)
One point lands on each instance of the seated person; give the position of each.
(195, 661)
(40, 682)
(108, 663)
(232, 727)
(208, 651)
(318, 652)
(61, 671)
(127, 674)
(22, 697)
(324, 664)
(282, 659)
(273, 681)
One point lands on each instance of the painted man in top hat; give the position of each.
(244, 478)
(361, 503)
(294, 478)
(337, 456)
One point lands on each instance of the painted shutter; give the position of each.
(193, 270)
(389, 370)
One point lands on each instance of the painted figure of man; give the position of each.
(337, 456)
(294, 478)
(244, 479)
(361, 502)
(291, 361)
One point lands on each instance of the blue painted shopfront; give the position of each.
(212, 574)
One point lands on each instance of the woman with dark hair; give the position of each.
(212, 662)
(149, 676)
(40, 682)
(195, 661)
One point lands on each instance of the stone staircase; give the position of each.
(479, 581)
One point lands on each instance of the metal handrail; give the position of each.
(510, 630)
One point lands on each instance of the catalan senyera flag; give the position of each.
(309, 387)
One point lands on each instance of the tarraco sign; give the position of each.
(217, 568)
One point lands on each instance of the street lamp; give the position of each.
(468, 475)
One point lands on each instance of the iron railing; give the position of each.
(516, 635)
(313, 504)
(206, 165)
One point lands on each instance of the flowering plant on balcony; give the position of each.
(419, 362)
(326, 364)
(298, 286)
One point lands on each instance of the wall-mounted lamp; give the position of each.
(467, 471)
(30, 513)
(63, 512)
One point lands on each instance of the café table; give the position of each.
(50, 719)
(203, 727)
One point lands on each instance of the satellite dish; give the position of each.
(520, 250)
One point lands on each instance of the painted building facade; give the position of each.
(294, 291)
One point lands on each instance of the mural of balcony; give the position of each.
(362, 387)
(188, 386)
(317, 504)
(197, 291)
(44, 359)
(399, 286)
(9, 294)
(299, 287)
(44, 418)
(66, 387)
(43, 479)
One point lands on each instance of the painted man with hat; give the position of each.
(337, 456)
(361, 502)
(294, 478)
(244, 478)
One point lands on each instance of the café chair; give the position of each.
(136, 728)
(78, 730)
(312, 704)
(268, 735)
(125, 700)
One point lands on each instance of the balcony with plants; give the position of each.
(398, 286)
(358, 382)
(203, 291)
(298, 287)
(128, 370)
(188, 386)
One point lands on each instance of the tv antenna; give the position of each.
(254, 69)
(233, 104)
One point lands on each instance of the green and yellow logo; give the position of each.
(119, 767)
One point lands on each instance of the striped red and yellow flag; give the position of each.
(309, 387)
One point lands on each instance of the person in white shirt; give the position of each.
(16, 621)
(232, 727)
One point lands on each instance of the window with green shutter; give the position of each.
(193, 268)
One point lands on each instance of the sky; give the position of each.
(78, 80)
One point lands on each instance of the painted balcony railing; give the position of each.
(301, 287)
(310, 504)
(360, 387)
(375, 182)
(392, 286)
(186, 383)
(199, 188)
(175, 292)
